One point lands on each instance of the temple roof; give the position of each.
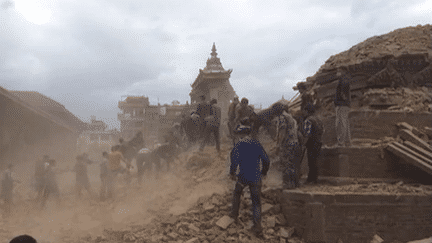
(213, 63)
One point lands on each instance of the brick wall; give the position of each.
(358, 217)
(375, 124)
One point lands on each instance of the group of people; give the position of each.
(296, 135)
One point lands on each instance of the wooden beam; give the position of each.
(414, 130)
(409, 158)
(428, 131)
(419, 150)
(412, 152)
(409, 136)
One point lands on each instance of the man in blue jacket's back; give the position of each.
(248, 154)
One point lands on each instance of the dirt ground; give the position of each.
(174, 193)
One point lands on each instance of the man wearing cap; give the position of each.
(342, 105)
(212, 124)
(231, 115)
(250, 156)
(8, 179)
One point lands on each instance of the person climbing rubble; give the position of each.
(212, 124)
(243, 111)
(289, 150)
(6, 194)
(342, 105)
(231, 115)
(203, 110)
(248, 154)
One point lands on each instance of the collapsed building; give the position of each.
(390, 122)
(33, 125)
(154, 121)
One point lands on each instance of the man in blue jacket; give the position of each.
(248, 154)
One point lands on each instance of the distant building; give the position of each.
(153, 121)
(97, 135)
(213, 82)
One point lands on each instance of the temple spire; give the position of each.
(213, 54)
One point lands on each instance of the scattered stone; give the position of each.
(232, 231)
(271, 221)
(224, 222)
(194, 228)
(280, 219)
(282, 240)
(129, 237)
(270, 231)
(208, 206)
(265, 208)
(377, 239)
(193, 240)
(286, 233)
(173, 235)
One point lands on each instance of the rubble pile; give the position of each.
(208, 222)
(412, 40)
(391, 71)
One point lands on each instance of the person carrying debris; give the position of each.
(39, 173)
(342, 105)
(311, 136)
(104, 176)
(289, 150)
(212, 124)
(81, 176)
(231, 115)
(203, 110)
(114, 160)
(249, 155)
(7, 184)
(50, 185)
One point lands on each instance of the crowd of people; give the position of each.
(296, 135)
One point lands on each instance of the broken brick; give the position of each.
(286, 233)
(224, 222)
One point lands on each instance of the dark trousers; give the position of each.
(47, 191)
(7, 205)
(291, 155)
(83, 185)
(208, 132)
(255, 191)
(313, 151)
(104, 188)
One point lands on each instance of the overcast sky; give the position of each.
(86, 54)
